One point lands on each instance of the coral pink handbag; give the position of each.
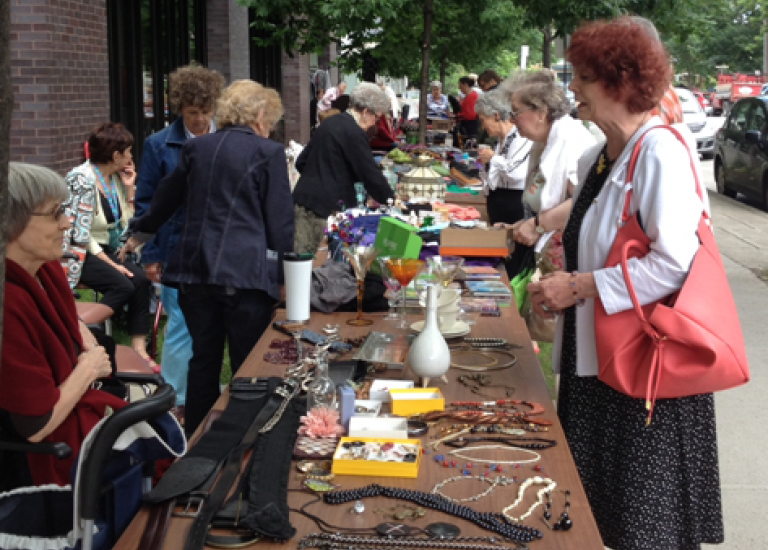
(686, 344)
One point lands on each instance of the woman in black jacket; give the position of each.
(234, 187)
(337, 157)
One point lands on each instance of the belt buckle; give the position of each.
(194, 504)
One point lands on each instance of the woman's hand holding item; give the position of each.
(485, 155)
(557, 291)
(130, 246)
(154, 271)
(525, 232)
(94, 363)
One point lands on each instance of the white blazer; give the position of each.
(670, 210)
(510, 171)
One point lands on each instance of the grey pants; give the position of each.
(308, 232)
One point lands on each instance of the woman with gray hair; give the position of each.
(438, 105)
(505, 168)
(335, 159)
(541, 112)
(49, 359)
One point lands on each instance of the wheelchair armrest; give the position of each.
(59, 450)
(93, 465)
(138, 378)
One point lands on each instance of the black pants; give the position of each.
(119, 290)
(506, 206)
(214, 315)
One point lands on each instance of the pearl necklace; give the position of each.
(521, 492)
(457, 454)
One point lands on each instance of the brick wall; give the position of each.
(60, 76)
(227, 24)
(296, 97)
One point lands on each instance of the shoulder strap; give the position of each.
(633, 162)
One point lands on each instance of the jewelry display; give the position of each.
(328, 541)
(380, 452)
(550, 486)
(484, 353)
(532, 443)
(484, 417)
(417, 428)
(495, 523)
(458, 454)
(493, 483)
(319, 486)
(536, 408)
(474, 382)
(448, 531)
(565, 522)
(359, 507)
(486, 342)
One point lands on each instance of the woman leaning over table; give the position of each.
(541, 112)
(238, 220)
(100, 203)
(654, 487)
(504, 169)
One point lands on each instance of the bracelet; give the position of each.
(579, 301)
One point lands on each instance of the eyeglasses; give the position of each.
(515, 114)
(56, 213)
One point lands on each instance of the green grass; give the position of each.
(121, 336)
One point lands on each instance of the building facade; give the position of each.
(75, 64)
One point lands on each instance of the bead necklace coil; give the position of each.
(458, 453)
(327, 541)
(536, 480)
(494, 482)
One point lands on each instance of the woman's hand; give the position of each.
(89, 340)
(154, 271)
(130, 246)
(94, 363)
(551, 294)
(525, 232)
(128, 175)
(485, 155)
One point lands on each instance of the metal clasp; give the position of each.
(194, 504)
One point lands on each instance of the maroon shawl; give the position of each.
(41, 340)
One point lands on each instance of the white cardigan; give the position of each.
(670, 210)
(510, 171)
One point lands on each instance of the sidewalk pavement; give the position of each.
(742, 418)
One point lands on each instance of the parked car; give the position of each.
(741, 151)
(704, 102)
(696, 119)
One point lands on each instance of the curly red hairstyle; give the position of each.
(626, 58)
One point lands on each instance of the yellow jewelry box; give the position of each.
(351, 467)
(417, 400)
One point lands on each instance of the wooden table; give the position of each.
(529, 382)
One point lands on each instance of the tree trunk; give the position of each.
(546, 47)
(426, 45)
(6, 108)
(443, 68)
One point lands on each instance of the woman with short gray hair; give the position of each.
(338, 156)
(50, 360)
(504, 169)
(438, 105)
(541, 112)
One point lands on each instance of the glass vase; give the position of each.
(322, 391)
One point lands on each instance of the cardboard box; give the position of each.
(376, 468)
(379, 428)
(380, 388)
(416, 401)
(374, 408)
(455, 241)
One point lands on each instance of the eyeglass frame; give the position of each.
(55, 214)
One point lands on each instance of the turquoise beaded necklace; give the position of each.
(109, 192)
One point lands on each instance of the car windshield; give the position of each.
(689, 102)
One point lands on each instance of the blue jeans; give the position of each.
(177, 346)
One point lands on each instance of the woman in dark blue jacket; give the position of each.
(238, 220)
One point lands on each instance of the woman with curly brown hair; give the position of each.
(649, 487)
(193, 94)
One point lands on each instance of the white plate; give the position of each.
(459, 328)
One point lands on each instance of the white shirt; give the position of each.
(670, 210)
(508, 171)
(331, 95)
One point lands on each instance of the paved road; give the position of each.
(741, 227)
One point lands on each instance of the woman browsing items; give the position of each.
(655, 486)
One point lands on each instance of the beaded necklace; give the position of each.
(109, 192)
(550, 486)
(494, 482)
(458, 454)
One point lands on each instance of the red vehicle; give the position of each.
(733, 87)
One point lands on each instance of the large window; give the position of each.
(149, 39)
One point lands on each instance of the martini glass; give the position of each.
(392, 284)
(445, 268)
(361, 258)
(405, 271)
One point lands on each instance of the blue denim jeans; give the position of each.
(177, 346)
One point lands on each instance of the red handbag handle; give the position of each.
(633, 163)
(625, 217)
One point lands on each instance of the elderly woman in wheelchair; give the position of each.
(50, 360)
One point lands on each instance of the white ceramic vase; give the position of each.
(429, 356)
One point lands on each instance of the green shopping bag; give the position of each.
(519, 286)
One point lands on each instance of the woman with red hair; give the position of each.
(654, 487)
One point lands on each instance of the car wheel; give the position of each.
(722, 185)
